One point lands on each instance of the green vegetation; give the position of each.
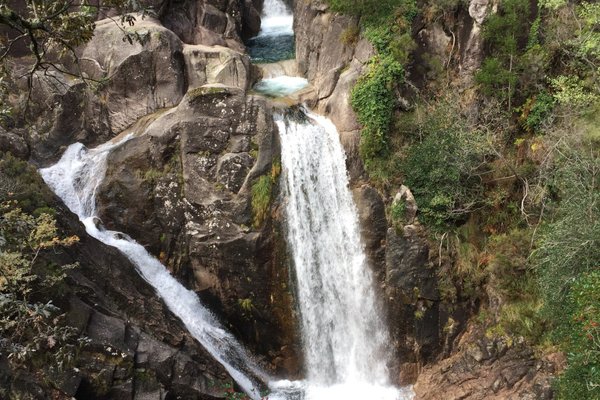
(374, 100)
(581, 337)
(261, 199)
(506, 179)
(386, 24)
(444, 169)
(33, 330)
(19, 181)
(262, 192)
(505, 31)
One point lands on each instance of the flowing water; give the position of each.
(75, 179)
(280, 86)
(275, 41)
(344, 339)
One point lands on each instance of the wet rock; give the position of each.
(250, 19)
(371, 214)
(407, 264)
(408, 373)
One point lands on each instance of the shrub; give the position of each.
(21, 182)
(262, 191)
(372, 12)
(373, 99)
(536, 111)
(581, 337)
(512, 282)
(32, 331)
(495, 79)
(261, 199)
(443, 169)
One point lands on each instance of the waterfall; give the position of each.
(276, 19)
(344, 337)
(275, 41)
(75, 179)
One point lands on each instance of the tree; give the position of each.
(51, 30)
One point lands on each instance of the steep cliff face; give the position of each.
(332, 57)
(184, 188)
(433, 339)
(132, 345)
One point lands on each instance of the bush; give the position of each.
(570, 244)
(512, 282)
(581, 337)
(443, 170)
(262, 191)
(373, 99)
(32, 331)
(372, 12)
(536, 111)
(21, 182)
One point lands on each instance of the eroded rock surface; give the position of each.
(488, 369)
(183, 188)
(136, 348)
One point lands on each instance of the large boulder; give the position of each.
(122, 82)
(183, 188)
(143, 76)
(217, 64)
(213, 22)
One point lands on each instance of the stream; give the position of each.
(344, 337)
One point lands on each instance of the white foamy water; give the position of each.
(75, 179)
(277, 20)
(344, 338)
(281, 85)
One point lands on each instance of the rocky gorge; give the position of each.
(185, 186)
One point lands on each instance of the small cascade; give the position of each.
(275, 41)
(277, 20)
(75, 179)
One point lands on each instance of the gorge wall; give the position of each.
(183, 187)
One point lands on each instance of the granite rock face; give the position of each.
(183, 188)
(135, 348)
(485, 368)
(213, 22)
(332, 65)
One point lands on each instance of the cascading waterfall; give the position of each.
(343, 334)
(276, 20)
(75, 179)
(275, 41)
(344, 338)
